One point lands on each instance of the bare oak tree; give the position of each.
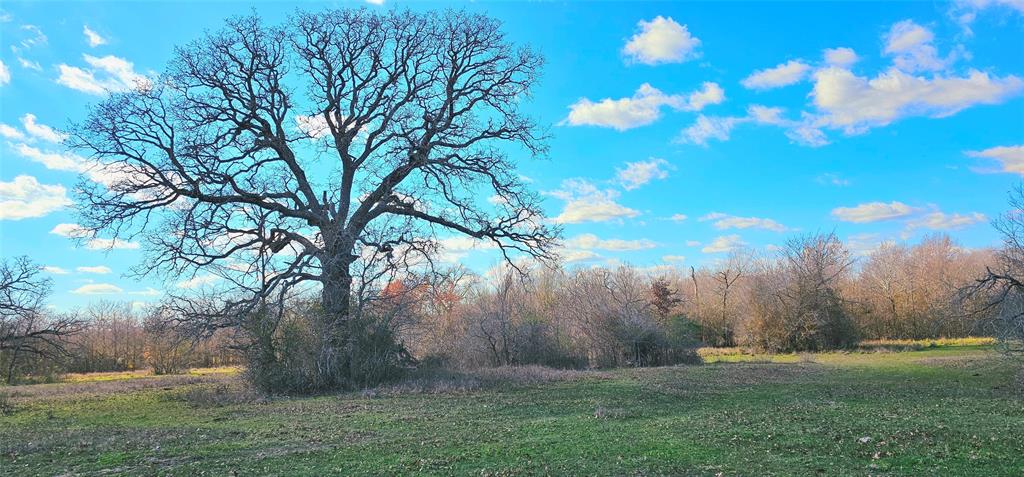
(276, 157)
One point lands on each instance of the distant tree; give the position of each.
(663, 297)
(27, 330)
(322, 151)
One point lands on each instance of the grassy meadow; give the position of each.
(942, 408)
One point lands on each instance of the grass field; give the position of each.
(948, 409)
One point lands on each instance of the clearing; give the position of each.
(949, 409)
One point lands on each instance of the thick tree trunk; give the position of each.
(337, 291)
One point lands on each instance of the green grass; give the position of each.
(943, 410)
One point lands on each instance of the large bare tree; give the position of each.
(280, 157)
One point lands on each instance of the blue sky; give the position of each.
(678, 130)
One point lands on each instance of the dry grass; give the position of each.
(42, 392)
(435, 381)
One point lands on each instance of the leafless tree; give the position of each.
(1000, 290)
(27, 330)
(280, 157)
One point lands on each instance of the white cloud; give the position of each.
(69, 231)
(641, 109)
(592, 242)
(5, 73)
(25, 197)
(673, 258)
(661, 40)
(41, 131)
(832, 179)
(841, 57)
(11, 132)
(692, 243)
(678, 217)
(375, 2)
(99, 269)
(55, 270)
(52, 160)
(315, 127)
(709, 127)
(639, 173)
(92, 37)
(855, 104)
(941, 221)
(97, 289)
(107, 74)
(586, 203)
(29, 64)
(911, 47)
(782, 75)
(725, 243)
(710, 93)
(575, 256)
(110, 244)
(725, 221)
(198, 281)
(75, 231)
(872, 212)
(720, 128)
(1010, 158)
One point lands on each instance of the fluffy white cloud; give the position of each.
(11, 132)
(592, 242)
(315, 127)
(1010, 158)
(910, 46)
(678, 217)
(725, 221)
(661, 40)
(673, 258)
(576, 256)
(98, 289)
(584, 202)
(641, 109)
(104, 74)
(69, 231)
(110, 244)
(99, 269)
(872, 212)
(92, 37)
(709, 127)
(55, 270)
(855, 103)
(198, 281)
(939, 220)
(710, 93)
(52, 160)
(841, 57)
(782, 75)
(5, 73)
(75, 231)
(25, 197)
(723, 244)
(41, 131)
(639, 173)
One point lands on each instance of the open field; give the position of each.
(950, 409)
